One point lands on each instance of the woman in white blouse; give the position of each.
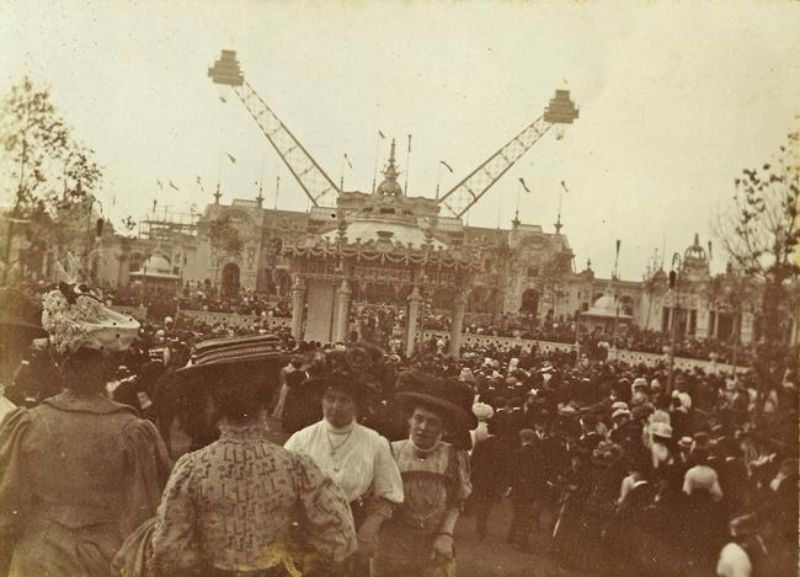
(357, 458)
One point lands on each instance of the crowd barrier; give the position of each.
(630, 357)
(211, 317)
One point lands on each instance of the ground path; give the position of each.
(490, 558)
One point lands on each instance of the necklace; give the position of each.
(421, 454)
(333, 447)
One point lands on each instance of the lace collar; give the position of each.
(251, 431)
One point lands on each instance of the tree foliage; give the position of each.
(761, 234)
(45, 171)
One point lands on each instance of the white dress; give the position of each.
(357, 458)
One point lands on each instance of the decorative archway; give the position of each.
(530, 302)
(230, 280)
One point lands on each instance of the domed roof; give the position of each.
(393, 232)
(695, 252)
(157, 264)
(605, 303)
(606, 307)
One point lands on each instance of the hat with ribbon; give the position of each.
(242, 351)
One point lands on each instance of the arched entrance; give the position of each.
(530, 302)
(230, 280)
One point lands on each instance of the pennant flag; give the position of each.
(160, 184)
(381, 134)
(564, 186)
(347, 160)
(447, 166)
(524, 186)
(230, 157)
(172, 185)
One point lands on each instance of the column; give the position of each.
(341, 319)
(746, 327)
(298, 304)
(457, 326)
(412, 319)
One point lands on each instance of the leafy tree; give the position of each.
(761, 235)
(48, 174)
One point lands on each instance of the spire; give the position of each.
(390, 186)
(217, 195)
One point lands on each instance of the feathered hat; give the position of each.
(75, 318)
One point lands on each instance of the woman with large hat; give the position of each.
(418, 539)
(356, 457)
(229, 508)
(79, 472)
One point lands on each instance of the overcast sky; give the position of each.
(674, 101)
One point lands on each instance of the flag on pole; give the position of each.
(172, 185)
(381, 134)
(524, 186)
(230, 157)
(564, 186)
(347, 160)
(199, 181)
(447, 166)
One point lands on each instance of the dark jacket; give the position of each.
(489, 463)
(528, 479)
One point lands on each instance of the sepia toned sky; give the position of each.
(675, 99)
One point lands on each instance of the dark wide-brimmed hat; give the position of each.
(18, 313)
(233, 351)
(451, 398)
(356, 369)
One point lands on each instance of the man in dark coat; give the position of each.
(528, 486)
(489, 463)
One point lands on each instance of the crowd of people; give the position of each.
(163, 301)
(629, 338)
(606, 468)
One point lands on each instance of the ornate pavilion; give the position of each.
(381, 242)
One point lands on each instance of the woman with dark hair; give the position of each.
(228, 508)
(357, 458)
(80, 472)
(418, 539)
